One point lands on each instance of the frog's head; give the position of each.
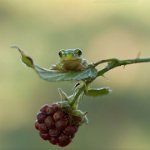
(70, 54)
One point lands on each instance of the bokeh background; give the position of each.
(103, 29)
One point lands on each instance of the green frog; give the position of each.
(71, 60)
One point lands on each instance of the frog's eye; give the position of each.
(60, 54)
(78, 51)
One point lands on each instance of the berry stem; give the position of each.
(74, 103)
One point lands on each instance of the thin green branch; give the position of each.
(113, 63)
(104, 61)
(77, 95)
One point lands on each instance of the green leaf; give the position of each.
(28, 61)
(97, 91)
(53, 75)
(25, 59)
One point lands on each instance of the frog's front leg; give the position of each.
(85, 63)
(97, 91)
(57, 67)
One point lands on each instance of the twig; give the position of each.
(113, 63)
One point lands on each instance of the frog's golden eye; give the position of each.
(78, 51)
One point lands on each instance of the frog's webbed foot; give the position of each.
(54, 67)
(85, 63)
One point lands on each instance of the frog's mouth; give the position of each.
(70, 57)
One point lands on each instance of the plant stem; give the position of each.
(75, 100)
(113, 63)
(104, 61)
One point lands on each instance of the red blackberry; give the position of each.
(57, 124)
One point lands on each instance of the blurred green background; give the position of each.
(103, 29)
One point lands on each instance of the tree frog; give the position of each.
(70, 60)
